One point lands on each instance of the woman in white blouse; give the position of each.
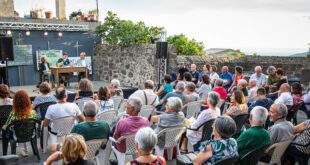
(213, 76)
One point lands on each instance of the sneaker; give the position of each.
(24, 153)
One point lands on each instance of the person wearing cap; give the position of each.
(182, 70)
(64, 62)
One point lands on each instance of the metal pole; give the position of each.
(97, 11)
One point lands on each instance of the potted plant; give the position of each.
(48, 14)
(92, 14)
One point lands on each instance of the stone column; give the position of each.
(6, 8)
(60, 9)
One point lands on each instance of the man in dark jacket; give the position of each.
(262, 100)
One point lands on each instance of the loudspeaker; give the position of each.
(161, 49)
(6, 49)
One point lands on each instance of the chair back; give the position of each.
(42, 108)
(229, 161)
(130, 143)
(92, 147)
(117, 100)
(192, 109)
(254, 156)
(81, 102)
(278, 150)
(205, 94)
(64, 125)
(226, 105)
(108, 116)
(122, 106)
(146, 111)
(240, 120)
(172, 135)
(5, 111)
(296, 109)
(25, 130)
(207, 130)
(222, 101)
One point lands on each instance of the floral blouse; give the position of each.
(234, 111)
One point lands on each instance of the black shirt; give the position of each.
(182, 71)
(81, 162)
(280, 82)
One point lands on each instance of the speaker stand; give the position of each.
(6, 72)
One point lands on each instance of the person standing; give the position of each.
(3, 77)
(64, 62)
(82, 63)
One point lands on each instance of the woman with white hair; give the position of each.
(115, 91)
(146, 140)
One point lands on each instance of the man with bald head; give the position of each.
(285, 96)
(259, 76)
(147, 95)
(195, 74)
(226, 77)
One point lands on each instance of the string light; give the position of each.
(9, 32)
(46, 33)
(27, 33)
(60, 34)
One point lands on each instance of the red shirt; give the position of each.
(222, 92)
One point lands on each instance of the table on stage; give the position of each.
(58, 70)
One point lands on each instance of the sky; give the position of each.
(268, 27)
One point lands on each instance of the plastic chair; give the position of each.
(172, 138)
(24, 131)
(92, 147)
(204, 94)
(108, 116)
(117, 100)
(5, 111)
(296, 109)
(222, 101)
(63, 126)
(226, 105)
(192, 109)
(229, 161)
(81, 102)
(42, 108)
(9, 159)
(206, 133)
(277, 151)
(122, 106)
(146, 111)
(254, 156)
(240, 120)
(130, 148)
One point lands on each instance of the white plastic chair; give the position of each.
(81, 102)
(172, 138)
(277, 151)
(130, 148)
(92, 147)
(122, 106)
(63, 126)
(146, 111)
(226, 105)
(222, 101)
(117, 100)
(204, 94)
(192, 109)
(108, 116)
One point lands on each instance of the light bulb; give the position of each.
(60, 34)
(27, 33)
(45, 33)
(9, 32)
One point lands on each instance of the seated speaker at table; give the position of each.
(44, 69)
(82, 63)
(64, 62)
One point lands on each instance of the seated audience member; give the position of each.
(211, 113)
(238, 106)
(194, 73)
(46, 96)
(307, 100)
(190, 93)
(104, 101)
(61, 109)
(86, 89)
(131, 124)
(219, 89)
(147, 95)
(4, 95)
(146, 139)
(166, 88)
(82, 63)
(238, 76)
(21, 109)
(187, 78)
(171, 118)
(256, 136)
(282, 129)
(72, 152)
(213, 76)
(205, 85)
(262, 100)
(242, 84)
(252, 90)
(181, 71)
(297, 99)
(115, 90)
(259, 76)
(44, 69)
(64, 62)
(285, 96)
(179, 92)
(205, 70)
(226, 77)
(272, 78)
(223, 147)
(282, 80)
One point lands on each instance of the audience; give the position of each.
(223, 147)
(213, 76)
(194, 73)
(147, 95)
(190, 93)
(166, 88)
(104, 101)
(285, 96)
(282, 129)
(238, 105)
(181, 71)
(272, 78)
(115, 90)
(297, 99)
(259, 76)
(146, 139)
(73, 151)
(282, 80)
(226, 77)
(131, 124)
(4, 95)
(238, 76)
(86, 89)
(252, 90)
(219, 89)
(262, 100)
(46, 96)
(205, 85)
(256, 136)
(242, 84)
(205, 70)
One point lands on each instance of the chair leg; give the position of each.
(121, 158)
(13, 147)
(159, 151)
(5, 143)
(97, 161)
(45, 138)
(170, 153)
(35, 148)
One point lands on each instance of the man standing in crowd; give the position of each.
(259, 76)
(3, 78)
(64, 62)
(82, 63)
(226, 77)
(147, 95)
(195, 74)
(182, 70)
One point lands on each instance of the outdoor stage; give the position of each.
(72, 90)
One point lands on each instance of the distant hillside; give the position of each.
(300, 54)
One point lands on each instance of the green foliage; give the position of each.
(184, 46)
(125, 32)
(255, 54)
(236, 54)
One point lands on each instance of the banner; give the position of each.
(22, 55)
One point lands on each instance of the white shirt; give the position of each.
(252, 94)
(61, 110)
(285, 98)
(214, 76)
(83, 63)
(152, 98)
(261, 80)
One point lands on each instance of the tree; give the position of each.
(125, 32)
(184, 46)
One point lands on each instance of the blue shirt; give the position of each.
(195, 75)
(67, 62)
(167, 88)
(227, 76)
(261, 102)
